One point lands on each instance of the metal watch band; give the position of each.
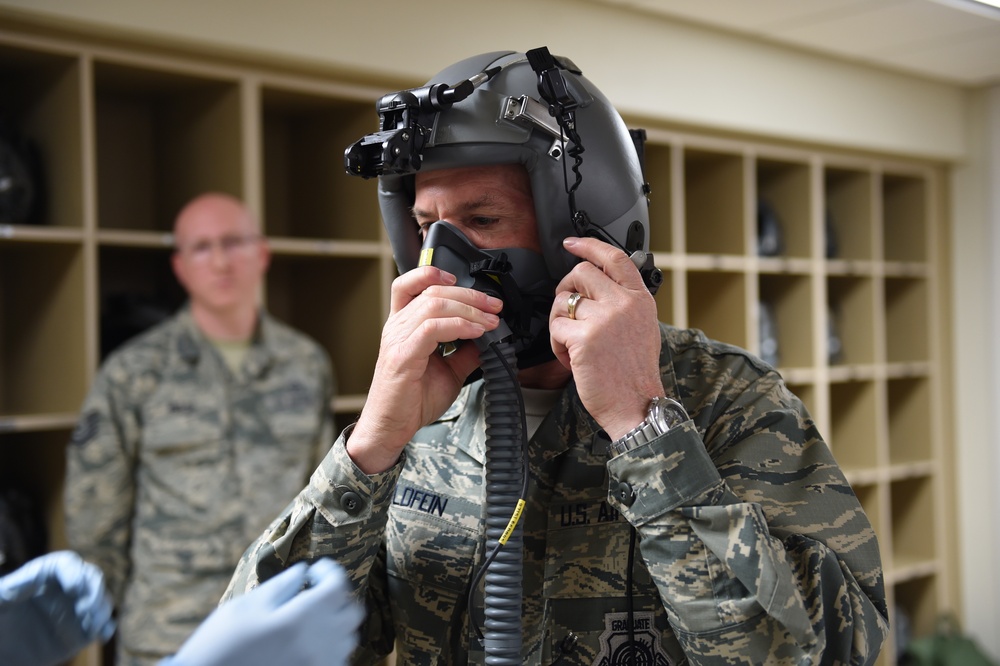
(637, 436)
(663, 414)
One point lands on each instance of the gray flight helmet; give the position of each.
(506, 120)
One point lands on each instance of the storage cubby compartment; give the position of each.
(659, 175)
(783, 209)
(43, 365)
(665, 299)
(848, 230)
(714, 200)
(904, 218)
(913, 522)
(717, 304)
(162, 138)
(850, 331)
(917, 600)
(338, 302)
(906, 320)
(41, 105)
(853, 424)
(342, 419)
(868, 495)
(34, 462)
(909, 420)
(137, 289)
(807, 394)
(307, 193)
(788, 299)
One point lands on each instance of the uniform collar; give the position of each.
(192, 343)
(566, 424)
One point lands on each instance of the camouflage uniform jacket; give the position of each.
(176, 465)
(752, 547)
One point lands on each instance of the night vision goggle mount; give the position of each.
(406, 119)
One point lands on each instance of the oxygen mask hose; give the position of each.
(506, 442)
(506, 478)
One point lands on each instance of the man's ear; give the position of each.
(175, 263)
(265, 255)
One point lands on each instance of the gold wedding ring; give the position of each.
(571, 302)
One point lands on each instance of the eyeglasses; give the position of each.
(201, 251)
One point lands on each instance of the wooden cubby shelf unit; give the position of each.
(127, 133)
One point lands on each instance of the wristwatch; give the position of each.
(663, 414)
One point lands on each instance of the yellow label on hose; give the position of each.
(513, 522)
(426, 255)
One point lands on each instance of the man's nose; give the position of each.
(220, 255)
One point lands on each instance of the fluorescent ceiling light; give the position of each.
(986, 8)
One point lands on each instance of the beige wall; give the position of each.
(645, 66)
(976, 331)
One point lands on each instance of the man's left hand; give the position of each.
(612, 342)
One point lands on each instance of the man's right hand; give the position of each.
(413, 384)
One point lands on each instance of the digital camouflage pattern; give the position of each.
(176, 465)
(752, 548)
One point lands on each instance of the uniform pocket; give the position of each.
(293, 409)
(586, 591)
(185, 481)
(429, 551)
(183, 435)
(429, 564)
(191, 440)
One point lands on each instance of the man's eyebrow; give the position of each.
(417, 213)
(486, 200)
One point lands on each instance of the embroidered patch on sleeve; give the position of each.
(86, 428)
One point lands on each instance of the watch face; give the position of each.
(666, 413)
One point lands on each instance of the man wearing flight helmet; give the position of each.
(680, 506)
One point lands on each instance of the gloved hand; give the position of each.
(51, 608)
(280, 623)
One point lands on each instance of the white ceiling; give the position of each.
(952, 40)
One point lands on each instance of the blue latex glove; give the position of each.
(280, 623)
(51, 608)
